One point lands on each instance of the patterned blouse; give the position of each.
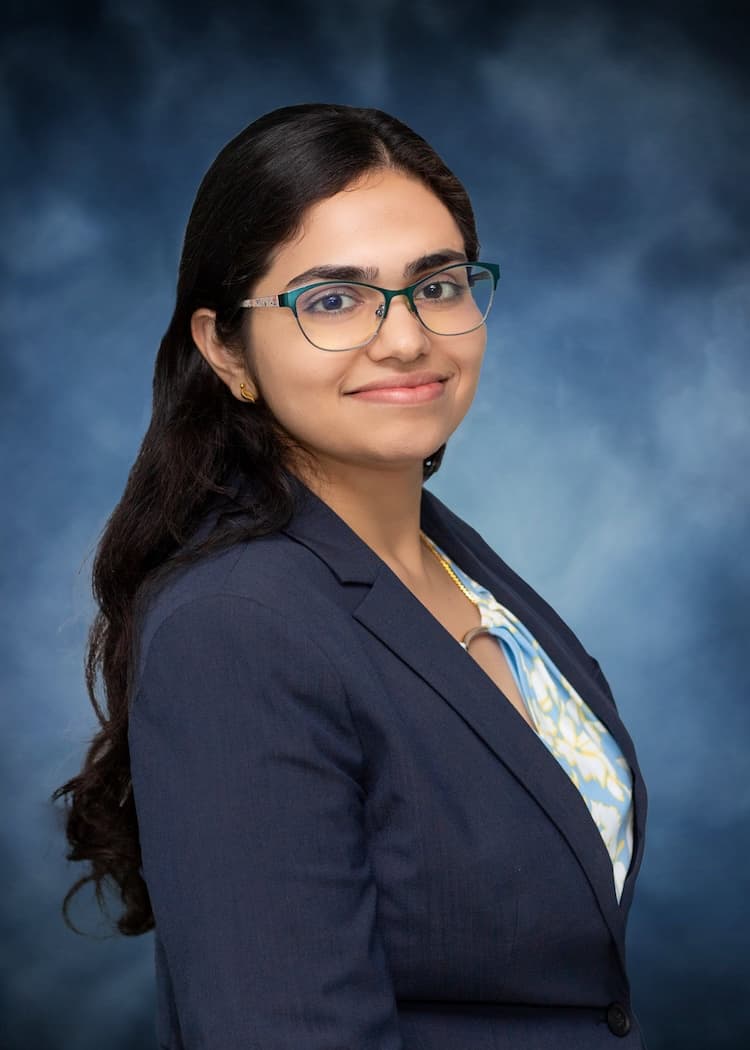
(575, 736)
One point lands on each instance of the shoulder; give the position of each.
(268, 578)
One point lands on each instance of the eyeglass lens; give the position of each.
(339, 316)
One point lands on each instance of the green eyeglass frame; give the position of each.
(289, 299)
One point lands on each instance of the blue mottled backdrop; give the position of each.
(605, 457)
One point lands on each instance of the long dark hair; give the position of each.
(251, 200)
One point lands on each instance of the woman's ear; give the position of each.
(226, 363)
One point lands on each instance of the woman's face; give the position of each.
(383, 222)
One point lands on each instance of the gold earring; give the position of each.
(245, 395)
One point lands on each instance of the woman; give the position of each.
(366, 786)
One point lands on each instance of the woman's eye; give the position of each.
(439, 290)
(331, 302)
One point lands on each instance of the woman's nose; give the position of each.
(401, 330)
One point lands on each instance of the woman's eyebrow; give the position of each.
(433, 261)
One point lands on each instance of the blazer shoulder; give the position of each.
(270, 570)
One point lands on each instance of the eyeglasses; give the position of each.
(336, 315)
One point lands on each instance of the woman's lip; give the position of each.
(402, 395)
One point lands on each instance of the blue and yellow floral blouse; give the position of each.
(575, 736)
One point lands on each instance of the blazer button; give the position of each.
(617, 1019)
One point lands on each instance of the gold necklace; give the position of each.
(474, 630)
(481, 629)
(448, 568)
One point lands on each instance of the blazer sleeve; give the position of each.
(246, 770)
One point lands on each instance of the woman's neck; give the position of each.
(384, 508)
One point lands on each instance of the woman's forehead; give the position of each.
(379, 224)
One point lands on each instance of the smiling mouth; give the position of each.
(403, 395)
(401, 386)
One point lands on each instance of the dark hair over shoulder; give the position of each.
(251, 200)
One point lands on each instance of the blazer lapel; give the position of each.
(398, 619)
(478, 559)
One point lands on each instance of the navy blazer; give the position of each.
(351, 838)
